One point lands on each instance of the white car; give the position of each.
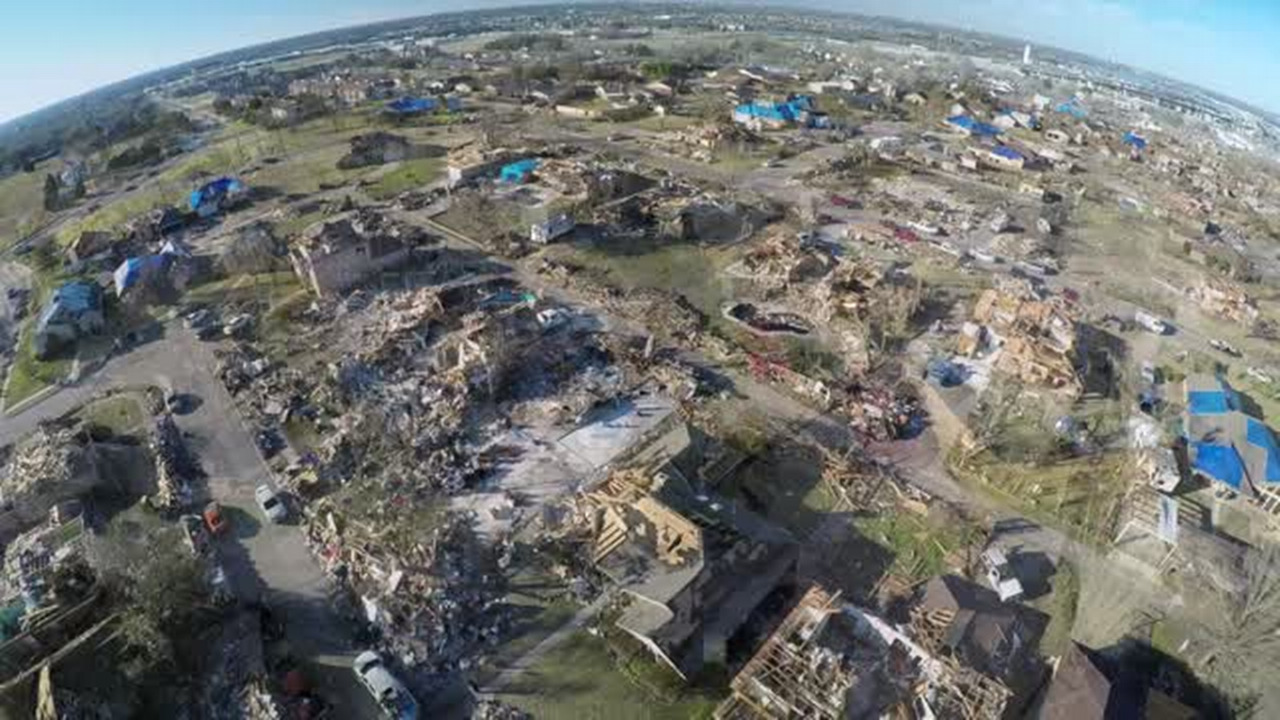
(271, 503)
(391, 694)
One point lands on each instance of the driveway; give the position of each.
(263, 561)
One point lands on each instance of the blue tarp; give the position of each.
(1005, 151)
(518, 171)
(72, 298)
(1072, 108)
(1260, 435)
(412, 105)
(136, 268)
(973, 127)
(1139, 142)
(1208, 402)
(790, 111)
(1220, 462)
(212, 194)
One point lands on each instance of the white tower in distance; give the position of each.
(1026, 55)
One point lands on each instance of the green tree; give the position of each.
(52, 188)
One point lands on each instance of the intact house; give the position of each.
(1228, 447)
(75, 310)
(1088, 686)
(336, 255)
(695, 570)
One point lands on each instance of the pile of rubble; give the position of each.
(430, 596)
(1035, 336)
(1225, 300)
(175, 468)
(49, 466)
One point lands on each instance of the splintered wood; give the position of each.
(785, 678)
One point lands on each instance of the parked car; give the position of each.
(209, 332)
(198, 318)
(391, 694)
(271, 503)
(214, 519)
(237, 325)
(1000, 575)
(1226, 347)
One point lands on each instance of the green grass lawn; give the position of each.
(579, 681)
(408, 175)
(920, 545)
(122, 413)
(1060, 606)
(21, 203)
(28, 374)
(1079, 496)
(273, 288)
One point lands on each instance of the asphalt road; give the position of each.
(262, 560)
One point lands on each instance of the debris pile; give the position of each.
(1225, 300)
(430, 594)
(175, 468)
(498, 710)
(50, 466)
(1035, 337)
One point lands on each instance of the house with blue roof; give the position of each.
(1226, 445)
(74, 310)
(796, 110)
(969, 126)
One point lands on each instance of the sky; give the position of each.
(54, 49)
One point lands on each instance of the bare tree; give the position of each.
(1242, 634)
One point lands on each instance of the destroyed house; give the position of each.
(1086, 686)
(694, 569)
(827, 661)
(336, 255)
(1225, 445)
(1036, 339)
(959, 619)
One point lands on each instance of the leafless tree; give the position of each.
(1241, 635)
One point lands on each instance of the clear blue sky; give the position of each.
(54, 49)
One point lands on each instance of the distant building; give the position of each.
(75, 310)
(336, 255)
(1227, 446)
(796, 110)
(558, 226)
(969, 126)
(1085, 686)
(1026, 55)
(1003, 157)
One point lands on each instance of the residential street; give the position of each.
(264, 561)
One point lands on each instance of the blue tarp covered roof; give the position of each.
(1131, 138)
(789, 111)
(1226, 444)
(519, 171)
(1005, 151)
(1261, 437)
(215, 191)
(1072, 107)
(969, 125)
(134, 269)
(1209, 402)
(1221, 462)
(408, 105)
(72, 299)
